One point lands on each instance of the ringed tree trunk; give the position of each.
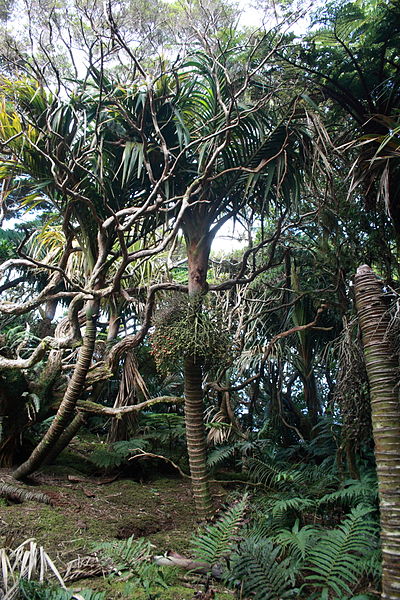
(74, 389)
(383, 375)
(198, 244)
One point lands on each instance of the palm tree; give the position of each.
(382, 370)
(352, 62)
(188, 150)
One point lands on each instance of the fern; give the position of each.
(271, 473)
(114, 455)
(355, 491)
(161, 429)
(259, 573)
(218, 541)
(220, 454)
(33, 590)
(126, 554)
(298, 542)
(135, 556)
(295, 504)
(338, 559)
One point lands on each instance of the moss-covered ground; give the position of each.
(87, 510)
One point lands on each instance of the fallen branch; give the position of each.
(176, 560)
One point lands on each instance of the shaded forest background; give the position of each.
(131, 135)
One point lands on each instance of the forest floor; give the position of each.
(87, 510)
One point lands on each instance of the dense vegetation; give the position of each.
(131, 136)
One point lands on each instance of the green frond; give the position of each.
(219, 454)
(354, 491)
(260, 573)
(113, 455)
(126, 554)
(339, 559)
(272, 474)
(135, 556)
(298, 505)
(298, 542)
(218, 541)
(33, 590)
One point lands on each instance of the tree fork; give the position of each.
(383, 375)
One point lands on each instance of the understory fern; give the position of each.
(298, 541)
(354, 492)
(110, 456)
(260, 574)
(217, 541)
(341, 556)
(135, 556)
(126, 554)
(33, 590)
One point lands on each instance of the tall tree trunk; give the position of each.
(66, 409)
(196, 436)
(198, 243)
(383, 375)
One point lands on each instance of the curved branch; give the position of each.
(93, 407)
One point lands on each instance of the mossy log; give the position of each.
(18, 494)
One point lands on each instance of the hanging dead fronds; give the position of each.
(352, 390)
(132, 390)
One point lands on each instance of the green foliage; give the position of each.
(183, 329)
(163, 429)
(135, 556)
(109, 456)
(355, 491)
(217, 541)
(20, 336)
(338, 560)
(220, 454)
(33, 590)
(273, 474)
(260, 573)
(298, 542)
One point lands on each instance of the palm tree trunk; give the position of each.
(383, 375)
(67, 407)
(196, 436)
(198, 243)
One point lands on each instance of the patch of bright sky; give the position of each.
(233, 237)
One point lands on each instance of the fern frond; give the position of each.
(219, 454)
(299, 541)
(355, 491)
(271, 474)
(338, 559)
(295, 504)
(126, 554)
(114, 455)
(218, 541)
(260, 574)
